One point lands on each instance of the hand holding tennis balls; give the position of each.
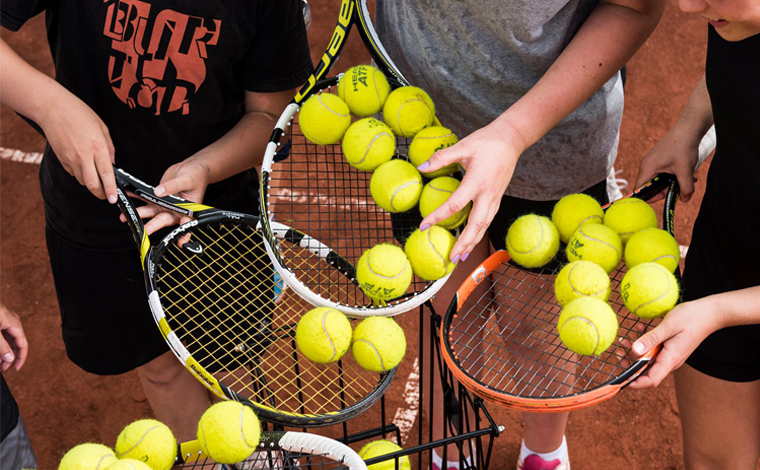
(429, 251)
(379, 344)
(587, 326)
(649, 290)
(532, 240)
(324, 118)
(428, 141)
(148, 441)
(364, 89)
(229, 432)
(384, 272)
(323, 334)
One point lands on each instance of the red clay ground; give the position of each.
(64, 406)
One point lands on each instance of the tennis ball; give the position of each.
(408, 110)
(396, 186)
(323, 334)
(587, 326)
(128, 464)
(428, 141)
(649, 290)
(573, 211)
(229, 432)
(379, 344)
(89, 456)
(324, 118)
(435, 193)
(597, 243)
(368, 143)
(384, 272)
(148, 441)
(429, 251)
(628, 216)
(532, 240)
(364, 89)
(581, 278)
(383, 447)
(652, 245)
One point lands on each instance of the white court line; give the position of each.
(16, 155)
(406, 416)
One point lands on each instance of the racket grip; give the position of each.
(299, 441)
(706, 147)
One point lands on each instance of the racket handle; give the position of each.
(706, 147)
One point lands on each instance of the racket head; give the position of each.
(499, 335)
(316, 191)
(279, 451)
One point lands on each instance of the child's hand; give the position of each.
(82, 143)
(488, 156)
(677, 153)
(188, 180)
(13, 343)
(679, 333)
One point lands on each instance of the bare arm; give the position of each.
(678, 150)
(76, 134)
(688, 324)
(604, 43)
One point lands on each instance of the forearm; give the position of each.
(243, 146)
(696, 117)
(733, 308)
(602, 46)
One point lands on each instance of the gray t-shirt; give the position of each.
(478, 57)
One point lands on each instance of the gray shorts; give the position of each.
(16, 449)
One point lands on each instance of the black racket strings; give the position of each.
(520, 353)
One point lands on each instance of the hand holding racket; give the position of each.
(500, 339)
(215, 297)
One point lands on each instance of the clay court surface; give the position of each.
(63, 406)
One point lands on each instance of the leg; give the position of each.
(720, 420)
(543, 432)
(177, 398)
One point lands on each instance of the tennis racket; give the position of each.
(499, 335)
(216, 299)
(281, 451)
(313, 189)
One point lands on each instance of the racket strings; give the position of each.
(316, 191)
(504, 335)
(222, 305)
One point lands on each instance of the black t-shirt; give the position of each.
(8, 410)
(725, 252)
(168, 78)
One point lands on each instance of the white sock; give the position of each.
(560, 453)
(438, 461)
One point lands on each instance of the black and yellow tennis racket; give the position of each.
(225, 315)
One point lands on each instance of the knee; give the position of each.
(162, 371)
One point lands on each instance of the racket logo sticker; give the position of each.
(478, 275)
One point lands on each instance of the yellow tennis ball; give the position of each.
(435, 193)
(597, 243)
(628, 216)
(587, 326)
(89, 456)
(364, 89)
(429, 251)
(148, 441)
(323, 334)
(368, 143)
(128, 464)
(428, 141)
(652, 245)
(649, 290)
(379, 344)
(396, 186)
(324, 118)
(408, 110)
(573, 211)
(229, 432)
(384, 272)
(579, 279)
(384, 447)
(532, 240)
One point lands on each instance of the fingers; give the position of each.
(161, 220)
(441, 159)
(13, 343)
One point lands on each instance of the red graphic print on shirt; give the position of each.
(157, 63)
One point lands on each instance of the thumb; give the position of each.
(173, 186)
(651, 339)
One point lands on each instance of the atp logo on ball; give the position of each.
(379, 292)
(359, 75)
(574, 246)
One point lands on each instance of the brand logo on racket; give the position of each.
(479, 274)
